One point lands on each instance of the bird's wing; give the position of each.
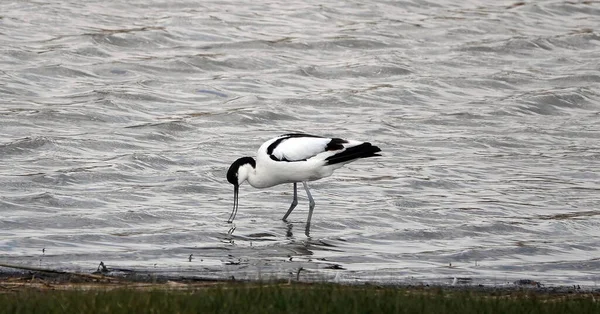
(299, 147)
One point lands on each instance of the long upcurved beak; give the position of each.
(235, 203)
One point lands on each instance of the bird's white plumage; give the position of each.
(298, 148)
(300, 159)
(303, 148)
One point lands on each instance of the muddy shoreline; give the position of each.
(14, 278)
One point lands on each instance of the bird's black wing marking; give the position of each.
(300, 135)
(335, 144)
(273, 145)
(363, 150)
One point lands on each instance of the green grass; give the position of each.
(323, 298)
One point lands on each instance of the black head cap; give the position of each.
(232, 173)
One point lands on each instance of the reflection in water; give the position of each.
(288, 232)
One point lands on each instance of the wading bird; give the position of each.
(293, 158)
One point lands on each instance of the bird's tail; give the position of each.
(363, 150)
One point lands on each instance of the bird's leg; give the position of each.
(294, 203)
(311, 206)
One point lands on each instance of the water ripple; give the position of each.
(117, 128)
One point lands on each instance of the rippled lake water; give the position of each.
(119, 119)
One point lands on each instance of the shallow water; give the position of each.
(118, 121)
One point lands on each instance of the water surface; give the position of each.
(118, 121)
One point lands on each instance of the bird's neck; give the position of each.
(256, 179)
